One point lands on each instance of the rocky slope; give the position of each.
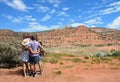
(6, 35)
(80, 36)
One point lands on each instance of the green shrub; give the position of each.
(69, 66)
(116, 54)
(45, 59)
(101, 54)
(105, 59)
(53, 61)
(96, 60)
(9, 57)
(75, 60)
(86, 57)
(61, 63)
(57, 72)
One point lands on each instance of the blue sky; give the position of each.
(41, 15)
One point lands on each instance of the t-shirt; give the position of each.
(34, 45)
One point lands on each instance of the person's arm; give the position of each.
(33, 52)
(37, 51)
(41, 47)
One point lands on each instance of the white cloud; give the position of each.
(16, 4)
(113, 7)
(53, 11)
(59, 23)
(29, 18)
(43, 8)
(76, 24)
(107, 11)
(92, 26)
(115, 4)
(115, 24)
(47, 17)
(62, 14)
(93, 21)
(20, 19)
(54, 1)
(35, 27)
(104, 1)
(13, 19)
(72, 20)
(65, 9)
(56, 5)
(56, 26)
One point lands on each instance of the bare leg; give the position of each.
(34, 69)
(24, 70)
(31, 68)
(40, 64)
(27, 67)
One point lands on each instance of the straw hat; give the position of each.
(25, 41)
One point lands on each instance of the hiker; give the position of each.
(41, 54)
(25, 56)
(34, 57)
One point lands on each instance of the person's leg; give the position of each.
(31, 61)
(36, 61)
(34, 68)
(27, 68)
(40, 64)
(24, 69)
(30, 67)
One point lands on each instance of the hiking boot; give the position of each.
(30, 73)
(34, 74)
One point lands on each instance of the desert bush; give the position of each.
(101, 54)
(116, 54)
(53, 61)
(86, 57)
(61, 63)
(58, 55)
(58, 72)
(69, 66)
(75, 60)
(45, 59)
(106, 59)
(96, 60)
(9, 57)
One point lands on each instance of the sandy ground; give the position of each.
(109, 48)
(77, 73)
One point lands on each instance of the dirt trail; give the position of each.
(74, 74)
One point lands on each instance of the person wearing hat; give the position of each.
(25, 56)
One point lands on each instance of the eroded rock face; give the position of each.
(81, 35)
(77, 36)
(6, 35)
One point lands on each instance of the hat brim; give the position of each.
(25, 42)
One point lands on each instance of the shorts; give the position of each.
(34, 59)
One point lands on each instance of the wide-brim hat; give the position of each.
(25, 41)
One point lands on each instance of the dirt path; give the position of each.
(73, 74)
